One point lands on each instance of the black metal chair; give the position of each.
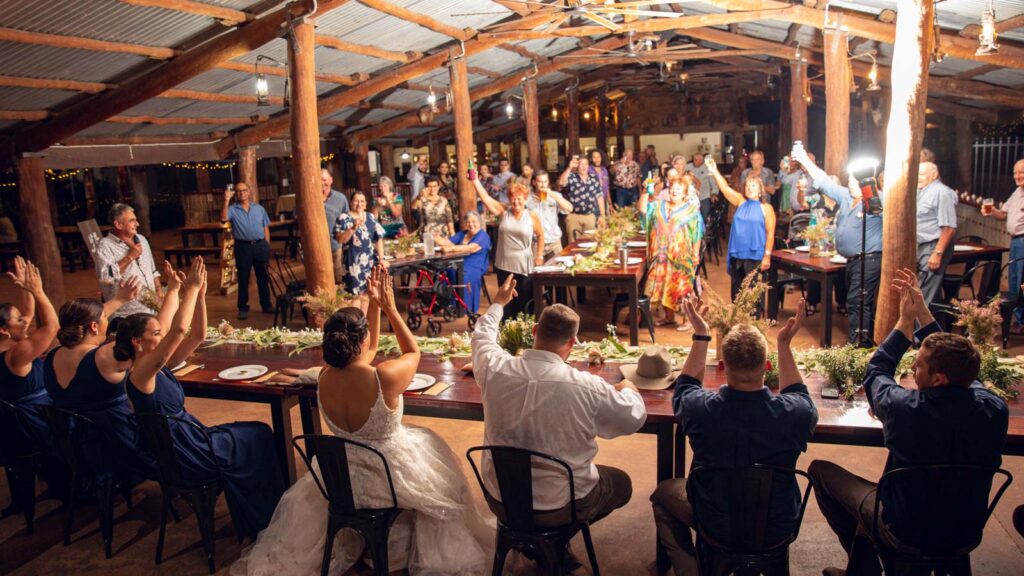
(786, 280)
(749, 497)
(22, 470)
(517, 527)
(334, 482)
(944, 311)
(1009, 304)
(202, 498)
(712, 233)
(285, 299)
(946, 534)
(643, 303)
(78, 441)
(951, 280)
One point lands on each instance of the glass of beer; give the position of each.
(987, 205)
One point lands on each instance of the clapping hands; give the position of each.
(26, 276)
(695, 311)
(196, 275)
(381, 289)
(793, 325)
(129, 289)
(912, 303)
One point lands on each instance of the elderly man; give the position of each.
(250, 226)
(708, 186)
(1013, 213)
(335, 204)
(759, 170)
(936, 227)
(123, 254)
(738, 425)
(627, 179)
(582, 188)
(539, 402)
(650, 163)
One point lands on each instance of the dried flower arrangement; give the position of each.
(982, 323)
(816, 233)
(723, 315)
(516, 334)
(323, 304)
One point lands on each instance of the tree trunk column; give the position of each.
(531, 114)
(964, 149)
(362, 158)
(797, 104)
(911, 56)
(463, 113)
(387, 162)
(37, 226)
(572, 122)
(309, 204)
(247, 170)
(837, 99)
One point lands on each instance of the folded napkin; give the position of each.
(436, 389)
(265, 377)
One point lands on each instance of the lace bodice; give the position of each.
(382, 425)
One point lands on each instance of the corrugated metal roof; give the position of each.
(406, 98)
(108, 129)
(105, 20)
(181, 129)
(32, 99)
(379, 115)
(1004, 77)
(357, 23)
(64, 63)
(498, 60)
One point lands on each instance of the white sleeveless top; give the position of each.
(515, 243)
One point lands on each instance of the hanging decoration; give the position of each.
(61, 175)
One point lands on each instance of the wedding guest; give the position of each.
(123, 254)
(335, 204)
(417, 177)
(708, 187)
(474, 242)
(598, 166)
(436, 216)
(1013, 213)
(948, 418)
(387, 209)
(759, 170)
(582, 188)
(439, 531)
(539, 402)
(936, 229)
(242, 453)
(738, 425)
(448, 187)
(650, 163)
(520, 242)
(547, 205)
(363, 238)
(736, 176)
(250, 226)
(502, 179)
(627, 179)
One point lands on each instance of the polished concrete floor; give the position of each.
(624, 541)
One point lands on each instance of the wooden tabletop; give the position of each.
(839, 421)
(822, 263)
(420, 259)
(612, 271)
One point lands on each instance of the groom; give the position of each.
(539, 402)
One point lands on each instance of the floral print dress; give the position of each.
(673, 252)
(361, 251)
(436, 216)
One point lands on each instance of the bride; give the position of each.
(441, 532)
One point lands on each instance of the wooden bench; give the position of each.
(183, 254)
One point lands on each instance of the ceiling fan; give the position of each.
(601, 12)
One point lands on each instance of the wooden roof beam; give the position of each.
(420, 19)
(242, 40)
(60, 41)
(522, 52)
(342, 79)
(181, 120)
(143, 140)
(226, 16)
(1011, 23)
(366, 50)
(483, 72)
(977, 71)
(50, 84)
(28, 115)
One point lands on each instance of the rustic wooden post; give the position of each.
(911, 56)
(89, 185)
(247, 170)
(362, 165)
(572, 122)
(481, 153)
(797, 104)
(964, 145)
(463, 114)
(517, 154)
(37, 226)
(620, 127)
(602, 123)
(387, 161)
(531, 114)
(203, 185)
(309, 204)
(838, 78)
(436, 151)
(140, 195)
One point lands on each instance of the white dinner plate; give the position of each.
(962, 248)
(587, 245)
(552, 268)
(566, 260)
(245, 372)
(630, 261)
(837, 259)
(803, 248)
(421, 382)
(636, 244)
(589, 232)
(180, 365)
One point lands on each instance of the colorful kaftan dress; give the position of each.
(673, 238)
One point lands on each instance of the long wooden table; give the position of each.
(623, 279)
(822, 270)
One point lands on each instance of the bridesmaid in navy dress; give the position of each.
(82, 375)
(244, 451)
(23, 429)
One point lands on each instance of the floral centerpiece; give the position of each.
(405, 245)
(516, 334)
(982, 323)
(816, 234)
(324, 303)
(723, 315)
(845, 367)
(998, 373)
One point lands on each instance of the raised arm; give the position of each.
(732, 196)
(228, 194)
(24, 301)
(171, 297)
(769, 243)
(197, 332)
(492, 205)
(373, 312)
(398, 373)
(27, 350)
(127, 291)
(144, 370)
(564, 205)
(788, 372)
(697, 359)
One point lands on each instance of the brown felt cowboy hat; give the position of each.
(653, 371)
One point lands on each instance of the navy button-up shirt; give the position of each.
(945, 425)
(738, 429)
(583, 195)
(849, 214)
(248, 225)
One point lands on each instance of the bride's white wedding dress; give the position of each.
(440, 532)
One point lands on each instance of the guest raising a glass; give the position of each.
(474, 242)
(436, 216)
(363, 237)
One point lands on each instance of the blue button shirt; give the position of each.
(248, 225)
(738, 429)
(849, 215)
(945, 425)
(335, 206)
(936, 209)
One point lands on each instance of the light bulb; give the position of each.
(668, 65)
(586, 115)
(432, 100)
(262, 90)
(684, 76)
(405, 155)
(510, 110)
(554, 114)
(987, 38)
(873, 77)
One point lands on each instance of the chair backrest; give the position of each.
(71, 432)
(286, 272)
(949, 503)
(334, 479)
(513, 470)
(160, 443)
(748, 504)
(276, 282)
(797, 224)
(647, 270)
(983, 273)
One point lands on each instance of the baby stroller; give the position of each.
(433, 295)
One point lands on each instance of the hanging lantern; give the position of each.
(987, 38)
(510, 110)
(262, 90)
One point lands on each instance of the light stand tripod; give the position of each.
(871, 205)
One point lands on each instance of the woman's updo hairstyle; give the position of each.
(75, 316)
(344, 334)
(132, 327)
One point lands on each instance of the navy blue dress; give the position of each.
(244, 451)
(23, 430)
(106, 404)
